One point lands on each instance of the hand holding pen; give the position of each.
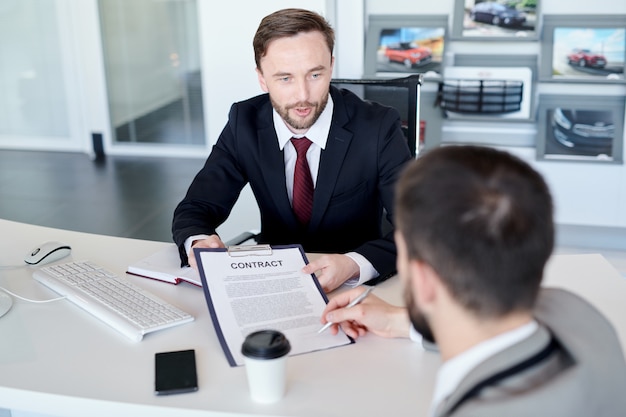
(359, 312)
(354, 302)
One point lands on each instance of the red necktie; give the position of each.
(302, 182)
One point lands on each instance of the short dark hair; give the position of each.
(483, 220)
(286, 23)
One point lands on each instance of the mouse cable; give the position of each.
(32, 301)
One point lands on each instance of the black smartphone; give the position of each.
(175, 372)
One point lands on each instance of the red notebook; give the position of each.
(164, 265)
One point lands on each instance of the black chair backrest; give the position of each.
(401, 93)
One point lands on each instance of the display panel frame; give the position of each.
(583, 48)
(568, 126)
(424, 32)
(492, 21)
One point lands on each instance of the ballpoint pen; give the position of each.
(354, 302)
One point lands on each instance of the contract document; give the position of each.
(258, 287)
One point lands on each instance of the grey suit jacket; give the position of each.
(573, 365)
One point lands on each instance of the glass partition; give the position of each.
(153, 74)
(34, 102)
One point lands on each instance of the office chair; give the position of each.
(400, 93)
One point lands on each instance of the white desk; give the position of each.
(59, 360)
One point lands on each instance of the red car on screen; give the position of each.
(586, 58)
(408, 53)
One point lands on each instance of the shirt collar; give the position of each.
(454, 370)
(318, 133)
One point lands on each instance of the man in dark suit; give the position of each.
(474, 232)
(329, 197)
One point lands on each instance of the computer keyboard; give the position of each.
(123, 305)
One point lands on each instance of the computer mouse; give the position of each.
(47, 252)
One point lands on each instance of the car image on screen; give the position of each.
(586, 58)
(590, 131)
(408, 53)
(497, 14)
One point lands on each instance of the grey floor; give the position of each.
(135, 197)
(121, 196)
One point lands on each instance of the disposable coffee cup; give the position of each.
(265, 356)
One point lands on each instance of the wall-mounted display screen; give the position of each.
(489, 19)
(590, 49)
(579, 128)
(405, 44)
(483, 92)
(588, 52)
(410, 49)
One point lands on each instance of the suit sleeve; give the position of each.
(393, 154)
(213, 192)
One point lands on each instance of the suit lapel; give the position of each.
(507, 363)
(331, 159)
(273, 162)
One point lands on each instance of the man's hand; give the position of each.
(372, 314)
(332, 270)
(212, 241)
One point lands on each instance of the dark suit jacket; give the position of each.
(575, 367)
(364, 154)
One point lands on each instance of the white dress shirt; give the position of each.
(317, 134)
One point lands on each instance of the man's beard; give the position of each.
(419, 321)
(318, 108)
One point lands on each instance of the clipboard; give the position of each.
(255, 287)
(247, 250)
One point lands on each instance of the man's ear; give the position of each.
(261, 80)
(424, 283)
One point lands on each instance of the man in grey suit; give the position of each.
(356, 151)
(474, 232)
